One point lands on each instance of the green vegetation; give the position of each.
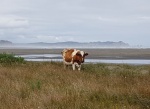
(46, 85)
(10, 58)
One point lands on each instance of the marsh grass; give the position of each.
(46, 85)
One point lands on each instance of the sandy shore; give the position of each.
(93, 53)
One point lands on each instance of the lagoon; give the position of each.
(58, 58)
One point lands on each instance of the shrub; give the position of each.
(10, 58)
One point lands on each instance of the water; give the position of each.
(58, 57)
(38, 56)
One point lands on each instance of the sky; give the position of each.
(26, 21)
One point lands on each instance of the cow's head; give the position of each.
(80, 55)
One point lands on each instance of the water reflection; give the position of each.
(58, 57)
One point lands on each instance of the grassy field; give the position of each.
(46, 85)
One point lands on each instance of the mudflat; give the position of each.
(93, 53)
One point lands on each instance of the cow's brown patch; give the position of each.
(68, 55)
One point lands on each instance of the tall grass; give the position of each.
(46, 85)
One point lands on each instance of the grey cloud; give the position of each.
(13, 22)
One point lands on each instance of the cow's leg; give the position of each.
(73, 66)
(65, 66)
(79, 67)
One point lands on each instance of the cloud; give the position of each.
(49, 38)
(68, 20)
(145, 18)
(13, 22)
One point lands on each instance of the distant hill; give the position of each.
(68, 44)
(5, 42)
(83, 44)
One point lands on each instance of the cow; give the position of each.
(73, 57)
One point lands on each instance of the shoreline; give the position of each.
(93, 53)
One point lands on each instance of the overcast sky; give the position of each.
(75, 20)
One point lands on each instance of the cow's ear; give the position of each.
(86, 54)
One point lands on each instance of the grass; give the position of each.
(46, 85)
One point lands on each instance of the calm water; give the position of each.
(58, 57)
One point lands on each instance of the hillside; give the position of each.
(70, 44)
(5, 42)
(83, 44)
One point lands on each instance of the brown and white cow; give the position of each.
(73, 57)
